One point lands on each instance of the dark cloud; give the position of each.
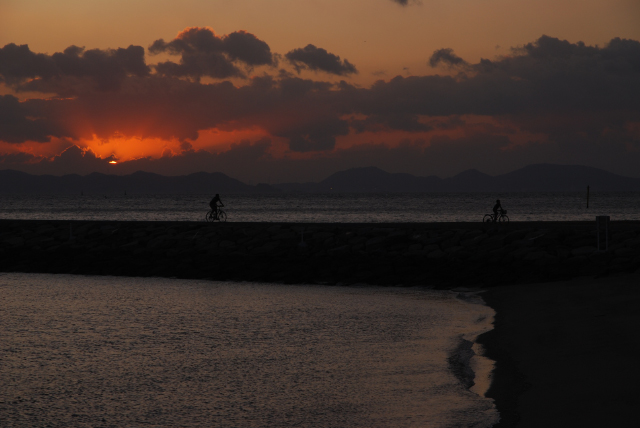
(246, 47)
(547, 75)
(401, 2)
(18, 63)
(446, 56)
(72, 160)
(237, 158)
(397, 122)
(18, 124)
(76, 160)
(319, 135)
(106, 68)
(568, 97)
(18, 160)
(203, 53)
(559, 75)
(81, 161)
(318, 59)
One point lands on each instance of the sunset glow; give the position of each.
(259, 90)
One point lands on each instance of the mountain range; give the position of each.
(541, 177)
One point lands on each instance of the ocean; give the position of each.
(82, 351)
(327, 208)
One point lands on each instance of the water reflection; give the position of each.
(100, 351)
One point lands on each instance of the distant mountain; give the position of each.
(541, 177)
(15, 182)
(545, 177)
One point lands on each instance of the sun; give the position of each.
(113, 162)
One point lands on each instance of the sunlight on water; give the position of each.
(341, 208)
(106, 351)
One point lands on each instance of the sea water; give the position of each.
(323, 208)
(112, 351)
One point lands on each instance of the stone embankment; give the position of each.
(435, 254)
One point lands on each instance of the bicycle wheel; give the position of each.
(488, 218)
(504, 219)
(222, 216)
(209, 216)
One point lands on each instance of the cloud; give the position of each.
(404, 3)
(446, 56)
(106, 68)
(17, 123)
(318, 135)
(547, 75)
(318, 59)
(543, 100)
(72, 160)
(18, 160)
(18, 63)
(203, 53)
(395, 122)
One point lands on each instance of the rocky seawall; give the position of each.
(442, 255)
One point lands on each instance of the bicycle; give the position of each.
(502, 217)
(211, 216)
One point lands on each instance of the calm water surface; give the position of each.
(345, 208)
(114, 352)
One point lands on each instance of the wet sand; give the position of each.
(566, 352)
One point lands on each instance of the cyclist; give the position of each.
(214, 205)
(497, 207)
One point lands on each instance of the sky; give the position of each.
(294, 90)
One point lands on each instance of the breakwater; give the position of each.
(437, 254)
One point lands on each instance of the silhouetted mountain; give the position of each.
(545, 177)
(470, 180)
(374, 179)
(542, 177)
(15, 182)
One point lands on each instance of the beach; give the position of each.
(566, 352)
(566, 332)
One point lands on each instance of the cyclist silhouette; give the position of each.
(214, 205)
(497, 207)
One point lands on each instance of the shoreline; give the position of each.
(566, 352)
(546, 281)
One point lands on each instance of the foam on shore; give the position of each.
(468, 361)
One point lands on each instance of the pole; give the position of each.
(587, 197)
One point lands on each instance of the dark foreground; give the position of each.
(442, 255)
(566, 353)
(564, 348)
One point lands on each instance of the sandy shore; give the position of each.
(566, 352)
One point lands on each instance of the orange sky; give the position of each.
(379, 37)
(376, 35)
